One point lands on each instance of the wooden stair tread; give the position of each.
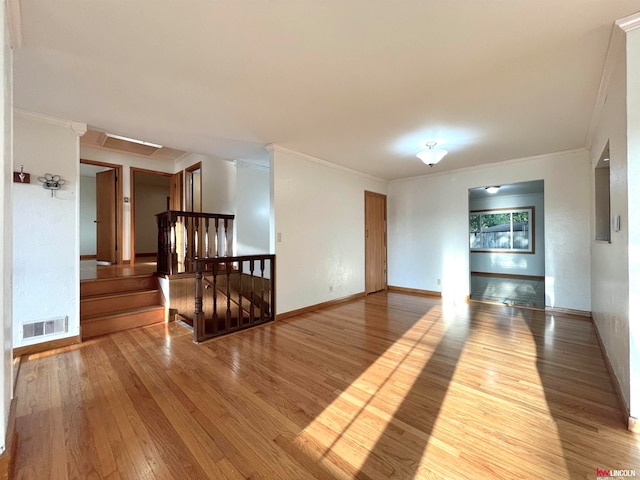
(109, 279)
(120, 294)
(124, 320)
(120, 313)
(108, 286)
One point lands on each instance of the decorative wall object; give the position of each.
(21, 177)
(52, 182)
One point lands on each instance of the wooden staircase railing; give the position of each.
(183, 236)
(233, 293)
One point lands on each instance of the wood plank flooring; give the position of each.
(389, 386)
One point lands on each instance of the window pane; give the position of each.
(501, 230)
(474, 222)
(475, 238)
(521, 230)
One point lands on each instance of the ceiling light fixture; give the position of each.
(133, 140)
(492, 189)
(431, 155)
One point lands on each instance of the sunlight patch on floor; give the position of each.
(350, 435)
(478, 391)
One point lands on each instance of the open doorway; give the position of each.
(506, 244)
(193, 194)
(100, 212)
(150, 195)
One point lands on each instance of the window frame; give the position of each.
(511, 210)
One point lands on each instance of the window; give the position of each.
(502, 230)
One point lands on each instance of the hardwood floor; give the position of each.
(90, 270)
(388, 386)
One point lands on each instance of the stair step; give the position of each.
(106, 304)
(122, 320)
(107, 286)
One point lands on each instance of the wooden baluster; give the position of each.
(162, 244)
(227, 324)
(215, 297)
(196, 228)
(216, 238)
(226, 239)
(184, 244)
(174, 253)
(240, 311)
(206, 237)
(272, 287)
(251, 293)
(198, 314)
(262, 289)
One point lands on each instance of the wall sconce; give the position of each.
(52, 182)
(21, 177)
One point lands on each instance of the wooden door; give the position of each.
(375, 215)
(106, 217)
(175, 192)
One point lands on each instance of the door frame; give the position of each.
(120, 237)
(132, 189)
(386, 270)
(188, 184)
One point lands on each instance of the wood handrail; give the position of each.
(197, 214)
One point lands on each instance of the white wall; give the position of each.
(6, 212)
(252, 208)
(87, 215)
(512, 263)
(218, 182)
(150, 200)
(115, 158)
(633, 155)
(45, 229)
(609, 261)
(428, 227)
(319, 214)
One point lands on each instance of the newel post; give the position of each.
(198, 314)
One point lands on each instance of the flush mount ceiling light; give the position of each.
(492, 189)
(431, 155)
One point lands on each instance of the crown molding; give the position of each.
(629, 23)
(614, 52)
(250, 164)
(492, 165)
(79, 128)
(14, 21)
(274, 147)
(76, 127)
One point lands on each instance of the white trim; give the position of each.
(492, 165)
(77, 127)
(250, 164)
(14, 21)
(274, 147)
(176, 160)
(616, 44)
(629, 23)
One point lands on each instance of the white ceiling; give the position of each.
(360, 83)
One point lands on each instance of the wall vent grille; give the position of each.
(43, 328)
